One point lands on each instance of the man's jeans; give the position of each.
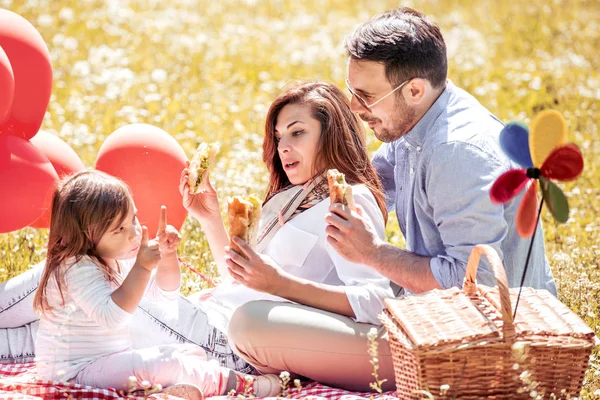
(153, 324)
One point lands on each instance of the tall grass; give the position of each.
(207, 70)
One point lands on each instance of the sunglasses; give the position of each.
(363, 101)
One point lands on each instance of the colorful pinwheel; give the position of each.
(544, 154)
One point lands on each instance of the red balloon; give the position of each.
(26, 177)
(64, 160)
(150, 161)
(32, 69)
(7, 83)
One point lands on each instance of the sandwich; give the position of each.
(339, 190)
(244, 215)
(201, 162)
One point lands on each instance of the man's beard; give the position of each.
(401, 122)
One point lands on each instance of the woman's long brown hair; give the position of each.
(84, 206)
(342, 144)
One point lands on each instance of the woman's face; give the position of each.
(297, 135)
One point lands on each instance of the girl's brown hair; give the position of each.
(84, 206)
(342, 143)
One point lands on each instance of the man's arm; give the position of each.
(457, 189)
(407, 269)
(354, 238)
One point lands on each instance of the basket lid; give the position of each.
(442, 317)
(540, 313)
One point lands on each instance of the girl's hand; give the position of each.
(149, 253)
(202, 206)
(167, 236)
(256, 271)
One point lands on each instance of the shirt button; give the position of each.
(418, 148)
(412, 171)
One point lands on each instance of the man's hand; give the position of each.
(167, 236)
(352, 235)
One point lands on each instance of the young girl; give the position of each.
(100, 264)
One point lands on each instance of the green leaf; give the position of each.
(556, 200)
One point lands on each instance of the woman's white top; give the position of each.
(300, 248)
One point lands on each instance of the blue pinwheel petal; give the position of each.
(514, 140)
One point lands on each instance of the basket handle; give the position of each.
(470, 283)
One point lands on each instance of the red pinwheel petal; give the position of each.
(565, 163)
(527, 212)
(508, 185)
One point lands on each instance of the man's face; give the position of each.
(390, 118)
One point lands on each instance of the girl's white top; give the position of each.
(89, 324)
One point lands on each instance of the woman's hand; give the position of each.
(256, 271)
(167, 236)
(202, 206)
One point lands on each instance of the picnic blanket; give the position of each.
(20, 382)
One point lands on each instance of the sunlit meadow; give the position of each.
(207, 70)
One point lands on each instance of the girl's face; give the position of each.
(297, 135)
(121, 242)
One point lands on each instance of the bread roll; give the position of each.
(201, 162)
(244, 215)
(339, 190)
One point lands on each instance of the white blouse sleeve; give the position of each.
(365, 287)
(91, 291)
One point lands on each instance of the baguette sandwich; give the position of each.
(201, 162)
(244, 215)
(339, 190)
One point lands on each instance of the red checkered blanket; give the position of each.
(19, 381)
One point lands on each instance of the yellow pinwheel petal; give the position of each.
(548, 131)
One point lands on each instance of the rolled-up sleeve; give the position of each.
(365, 288)
(384, 161)
(458, 182)
(91, 291)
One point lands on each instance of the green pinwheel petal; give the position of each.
(556, 200)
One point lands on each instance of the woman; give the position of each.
(309, 129)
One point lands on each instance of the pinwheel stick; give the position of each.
(539, 213)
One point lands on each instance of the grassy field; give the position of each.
(207, 70)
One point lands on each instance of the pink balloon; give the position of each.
(65, 162)
(150, 161)
(26, 178)
(32, 69)
(7, 83)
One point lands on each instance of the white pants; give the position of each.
(165, 365)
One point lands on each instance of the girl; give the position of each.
(309, 129)
(100, 264)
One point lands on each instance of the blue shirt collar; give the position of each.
(416, 136)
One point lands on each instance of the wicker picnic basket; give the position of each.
(465, 343)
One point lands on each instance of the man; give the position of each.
(439, 158)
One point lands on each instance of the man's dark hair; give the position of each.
(406, 41)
